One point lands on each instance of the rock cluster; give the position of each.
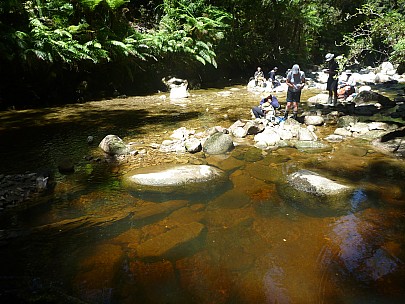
(17, 188)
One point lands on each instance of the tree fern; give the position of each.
(113, 4)
(191, 28)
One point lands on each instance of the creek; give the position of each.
(79, 242)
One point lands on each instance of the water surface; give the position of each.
(78, 244)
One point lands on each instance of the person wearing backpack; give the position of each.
(295, 82)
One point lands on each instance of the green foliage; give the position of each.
(236, 35)
(59, 31)
(398, 53)
(342, 62)
(381, 34)
(188, 28)
(113, 4)
(281, 32)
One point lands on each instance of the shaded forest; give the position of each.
(62, 51)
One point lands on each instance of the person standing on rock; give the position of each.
(272, 77)
(332, 83)
(295, 82)
(259, 76)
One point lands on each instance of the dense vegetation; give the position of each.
(67, 50)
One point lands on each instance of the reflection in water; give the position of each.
(85, 237)
(359, 244)
(350, 240)
(275, 292)
(359, 196)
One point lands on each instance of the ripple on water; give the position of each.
(257, 248)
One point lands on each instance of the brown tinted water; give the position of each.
(81, 242)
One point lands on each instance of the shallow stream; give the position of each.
(78, 243)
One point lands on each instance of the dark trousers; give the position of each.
(331, 86)
(258, 112)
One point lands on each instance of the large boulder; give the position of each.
(113, 145)
(359, 128)
(346, 121)
(193, 145)
(372, 98)
(310, 191)
(218, 143)
(254, 127)
(387, 68)
(366, 110)
(267, 138)
(237, 129)
(305, 134)
(177, 87)
(314, 120)
(175, 180)
(319, 99)
(391, 143)
(399, 111)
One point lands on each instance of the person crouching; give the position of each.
(266, 106)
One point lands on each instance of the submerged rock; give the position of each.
(151, 210)
(312, 146)
(311, 182)
(66, 166)
(97, 273)
(184, 179)
(309, 190)
(165, 244)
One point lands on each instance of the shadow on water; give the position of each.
(48, 140)
(82, 243)
(357, 201)
(358, 256)
(202, 196)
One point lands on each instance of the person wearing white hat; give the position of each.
(295, 82)
(332, 84)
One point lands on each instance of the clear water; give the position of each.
(80, 243)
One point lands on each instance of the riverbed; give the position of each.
(79, 242)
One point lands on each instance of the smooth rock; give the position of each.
(113, 145)
(175, 179)
(309, 191)
(218, 143)
(312, 146)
